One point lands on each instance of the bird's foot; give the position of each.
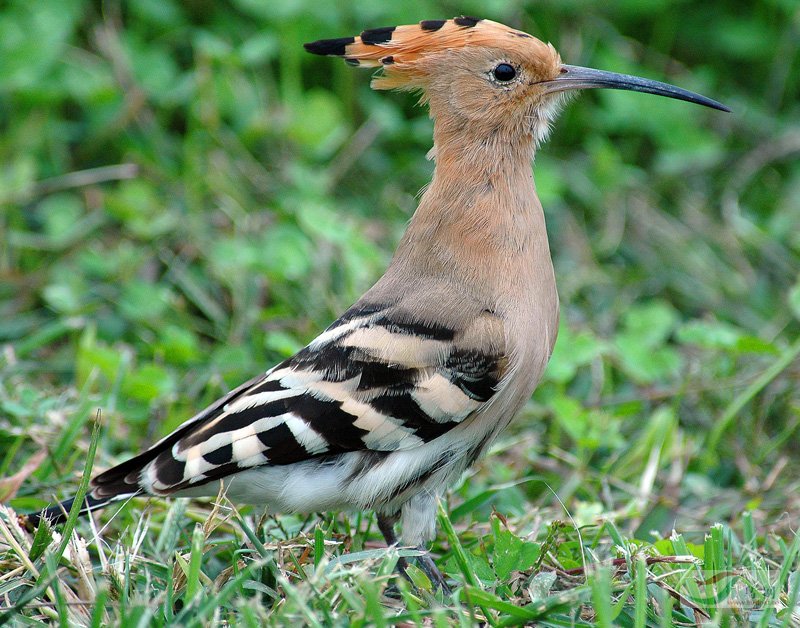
(424, 562)
(428, 567)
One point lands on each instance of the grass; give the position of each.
(248, 570)
(186, 197)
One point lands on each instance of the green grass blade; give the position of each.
(739, 402)
(195, 563)
(640, 598)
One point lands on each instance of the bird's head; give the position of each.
(481, 75)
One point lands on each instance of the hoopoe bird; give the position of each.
(398, 397)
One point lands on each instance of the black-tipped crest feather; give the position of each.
(329, 47)
(375, 36)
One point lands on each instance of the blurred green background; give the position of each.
(186, 197)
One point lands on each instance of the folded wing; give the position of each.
(377, 379)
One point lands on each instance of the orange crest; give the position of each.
(399, 49)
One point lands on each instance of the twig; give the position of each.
(81, 178)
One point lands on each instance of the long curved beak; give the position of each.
(575, 77)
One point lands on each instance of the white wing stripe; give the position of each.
(260, 399)
(312, 441)
(196, 465)
(292, 378)
(247, 447)
(330, 335)
(383, 432)
(441, 400)
(334, 391)
(395, 348)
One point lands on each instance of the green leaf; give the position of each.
(512, 553)
(64, 297)
(95, 356)
(41, 540)
(572, 351)
(642, 344)
(316, 120)
(147, 383)
(650, 324)
(153, 65)
(550, 180)
(570, 415)
(647, 364)
(794, 300)
(286, 253)
(285, 344)
(233, 256)
(477, 565)
(144, 301)
(752, 344)
(136, 204)
(259, 48)
(24, 26)
(178, 345)
(61, 214)
(711, 334)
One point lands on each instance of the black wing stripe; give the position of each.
(268, 385)
(426, 330)
(220, 455)
(359, 311)
(282, 446)
(328, 419)
(233, 422)
(407, 410)
(169, 470)
(339, 364)
(378, 375)
(473, 372)
(333, 362)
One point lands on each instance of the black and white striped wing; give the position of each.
(369, 382)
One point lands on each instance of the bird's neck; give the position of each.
(480, 211)
(461, 148)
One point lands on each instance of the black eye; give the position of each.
(504, 72)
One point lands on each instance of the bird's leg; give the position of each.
(386, 526)
(425, 562)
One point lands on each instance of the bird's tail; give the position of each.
(57, 513)
(116, 484)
